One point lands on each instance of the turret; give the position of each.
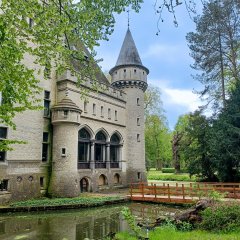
(65, 120)
(130, 75)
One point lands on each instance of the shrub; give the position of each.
(221, 217)
(171, 177)
(168, 170)
(172, 170)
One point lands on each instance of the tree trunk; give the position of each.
(159, 164)
(175, 149)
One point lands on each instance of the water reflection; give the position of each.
(95, 223)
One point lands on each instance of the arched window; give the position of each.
(83, 148)
(114, 151)
(100, 150)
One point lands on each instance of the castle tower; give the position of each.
(65, 120)
(130, 75)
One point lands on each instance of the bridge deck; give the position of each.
(181, 193)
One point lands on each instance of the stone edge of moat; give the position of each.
(61, 207)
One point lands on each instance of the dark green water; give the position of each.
(94, 223)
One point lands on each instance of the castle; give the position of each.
(76, 145)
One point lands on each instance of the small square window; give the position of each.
(94, 109)
(47, 95)
(139, 175)
(45, 137)
(3, 132)
(63, 152)
(65, 113)
(138, 137)
(4, 185)
(138, 102)
(138, 121)
(85, 106)
(41, 182)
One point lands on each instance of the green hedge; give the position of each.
(172, 170)
(171, 177)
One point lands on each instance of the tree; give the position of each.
(157, 134)
(215, 48)
(58, 35)
(157, 142)
(225, 139)
(178, 137)
(153, 102)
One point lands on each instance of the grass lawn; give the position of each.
(158, 175)
(170, 233)
(86, 200)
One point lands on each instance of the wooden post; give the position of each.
(168, 188)
(131, 190)
(176, 189)
(155, 192)
(199, 191)
(190, 190)
(183, 192)
(163, 189)
(142, 190)
(234, 192)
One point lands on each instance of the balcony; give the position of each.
(100, 164)
(83, 165)
(114, 164)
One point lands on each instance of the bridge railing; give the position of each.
(186, 192)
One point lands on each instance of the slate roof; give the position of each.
(128, 54)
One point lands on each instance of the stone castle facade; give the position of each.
(76, 145)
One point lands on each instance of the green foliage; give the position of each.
(223, 217)
(168, 170)
(84, 200)
(215, 49)
(225, 134)
(197, 144)
(157, 133)
(61, 36)
(158, 175)
(172, 170)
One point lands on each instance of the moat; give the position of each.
(93, 223)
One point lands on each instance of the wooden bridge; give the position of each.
(181, 193)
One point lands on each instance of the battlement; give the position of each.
(101, 87)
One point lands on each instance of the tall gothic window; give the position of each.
(83, 145)
(114, 148)
(100, 147)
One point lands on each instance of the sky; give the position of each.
(166, 55)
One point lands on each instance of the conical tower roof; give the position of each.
(128, 54)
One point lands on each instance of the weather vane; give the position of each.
(128, 17)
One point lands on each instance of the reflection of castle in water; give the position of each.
(72, 225)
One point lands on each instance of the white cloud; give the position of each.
(181, 97)
(172, 97)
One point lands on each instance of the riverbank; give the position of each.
(84, 201)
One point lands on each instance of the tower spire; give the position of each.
(128, 18)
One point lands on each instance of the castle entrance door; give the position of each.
(84, 185)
